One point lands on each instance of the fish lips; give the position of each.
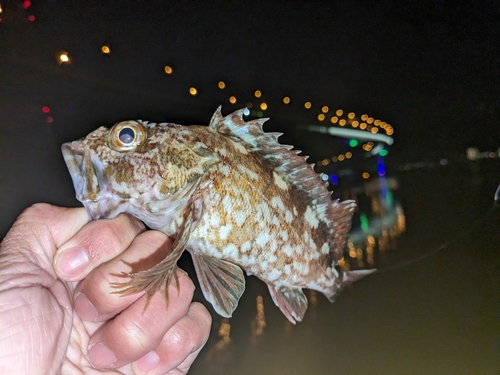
(85, 179)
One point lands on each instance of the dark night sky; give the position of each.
(430, 69)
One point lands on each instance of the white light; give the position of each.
(246, 111)
(324, 177)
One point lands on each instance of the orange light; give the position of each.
(221, 85)
(348, 155)
(321, 117)
(105, 49)
(168, 69)
(307, 105)
(339, 112)
(351, 115)
(334, 119)
(193, 91)
(64, 58)
(369, 120)
(362, 126)
(286, 100)
(341, 157)
(263, 106)
(355, 124)
(342, 122)
(364, 117)
(232, 100)
(325, 109)
(257, 93)
(365, 175)
(374, 130)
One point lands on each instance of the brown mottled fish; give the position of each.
(230, 194)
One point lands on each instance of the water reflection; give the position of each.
(378, 223)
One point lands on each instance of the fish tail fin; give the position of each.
(346, 278)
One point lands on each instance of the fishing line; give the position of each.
(476, 224)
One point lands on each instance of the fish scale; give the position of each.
(231, 195)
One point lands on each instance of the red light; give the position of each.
(45, 109)
(31, 18)
(49, 119)
(26, 4)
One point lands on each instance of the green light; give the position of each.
(364, 222)
(353, 142)
(383, 153)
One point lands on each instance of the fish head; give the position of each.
(146, 169)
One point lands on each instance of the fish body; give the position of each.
(230, 194)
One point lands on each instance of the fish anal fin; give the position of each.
(348, 277)
(222, 282)
(292, 302)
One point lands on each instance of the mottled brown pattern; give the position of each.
(260, 206)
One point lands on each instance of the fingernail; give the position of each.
(84, 308)
(100, 356)
(148, 362)
(73, 261)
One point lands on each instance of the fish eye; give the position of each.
(126, 136)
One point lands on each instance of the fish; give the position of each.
(231, 195)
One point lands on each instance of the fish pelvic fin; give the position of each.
(292, 302)
(346, 278)
(222, 282)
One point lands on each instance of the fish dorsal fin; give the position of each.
(292, 302)
(293, 169)
(222, 282)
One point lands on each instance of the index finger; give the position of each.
(97, 242)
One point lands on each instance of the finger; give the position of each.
(97, 242)
(136, 332)
(95, 300)
(40, 229)
(61, 222)
(180, 346)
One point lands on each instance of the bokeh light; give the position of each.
(168, 69)
(286, 100)
(105, 49)
(232, 99)
(307, 105)
(63, 58)
(221, 85)
(257, 93)
(193, 91)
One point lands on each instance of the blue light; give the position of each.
(334, 179)
(380, 167)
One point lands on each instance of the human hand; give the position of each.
(51, 257)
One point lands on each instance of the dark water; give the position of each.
(434, 307)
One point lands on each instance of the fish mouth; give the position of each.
(85, 180)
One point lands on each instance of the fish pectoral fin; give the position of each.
(222, 282)
(152, 280)
(292, 302)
